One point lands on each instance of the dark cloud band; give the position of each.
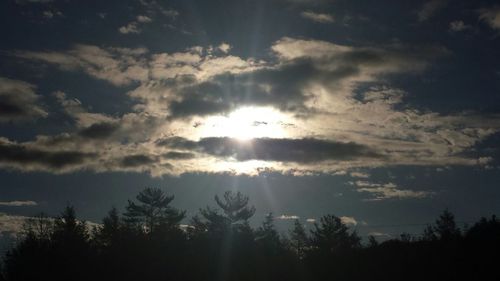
(306, 150)
(14, 154)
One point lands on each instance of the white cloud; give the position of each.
(458, 25)
(133, 27)
(129, 28)
(224, 47)
(120, 66)
(170, 13)
(75, 109)
(317, 17)
(389, 190)
(491, 16)
(349, 221)
(288, 217)
(379, 234)
(12, 224)
(359, 175)
(310, 220)
(18, 203)
(311, 85)
(49, 14)
(155, 7)
(484, 160)
(144, 19)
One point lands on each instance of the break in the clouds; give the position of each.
(301, 110)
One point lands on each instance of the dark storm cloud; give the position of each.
(137, 160)
(18, 101)
(14, 154)
(179, 155)
(280, 87)
(306, 150)
(284, 86)
(201, 99)
(99, 130)
(9, 107)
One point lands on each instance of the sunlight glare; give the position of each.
(246, 123)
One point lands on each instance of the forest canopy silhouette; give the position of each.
(148, 242)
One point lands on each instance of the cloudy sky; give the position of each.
(382, 112)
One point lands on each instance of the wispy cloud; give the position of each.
(382, 191)
(459, 25)
(359, 175)
(18, 203)
(317, 17)
(287, 217)
(491, 16)
(349, 221)
(120, 66)
(134, 26)
(430, 8)
(33, 1)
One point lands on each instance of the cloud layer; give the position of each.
(319, 107)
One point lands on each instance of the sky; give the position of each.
(384, 113)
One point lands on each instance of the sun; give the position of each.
(247, 123)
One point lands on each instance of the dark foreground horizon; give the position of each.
(370, 129)
(147, 242)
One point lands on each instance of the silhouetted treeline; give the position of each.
(147, 242)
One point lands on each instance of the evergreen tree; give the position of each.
(235, 207)
(333, 236)
(235, 214)
(69, 230)
(30, 258)
(444, 229)
(109, 231)
(266, 234)
(39, 226)
(372, 242)
(153, 211)
(299, 240)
